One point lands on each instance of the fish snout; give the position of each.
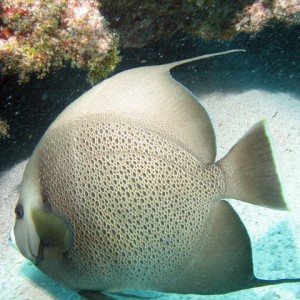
(34, 259)
(12, 240)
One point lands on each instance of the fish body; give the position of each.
(123, 192)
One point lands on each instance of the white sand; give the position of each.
(275, 235)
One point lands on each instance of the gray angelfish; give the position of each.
(123, 193)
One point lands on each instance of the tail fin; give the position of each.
(250, 170)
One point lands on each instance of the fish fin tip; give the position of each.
(184, 61)
(256, 282)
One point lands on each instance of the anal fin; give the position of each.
(95, 295)
(225, 263)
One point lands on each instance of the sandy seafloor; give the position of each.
(275, 235)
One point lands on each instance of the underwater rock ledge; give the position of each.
(140, 23)
(37, 37)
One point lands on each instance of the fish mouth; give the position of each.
(35, 256)
(12, 240)
(39, 258)
(35, 259)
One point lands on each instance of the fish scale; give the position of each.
(150, 195)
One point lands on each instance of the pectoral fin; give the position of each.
(52, 230)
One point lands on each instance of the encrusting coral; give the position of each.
(39, 36)
(142, 22)
(257, 14)
(4, 129)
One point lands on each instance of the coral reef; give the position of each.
(287, 10)
(142, 22)
(4, 129)
(256, 15)
(39, 36)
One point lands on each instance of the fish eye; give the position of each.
(19, 211)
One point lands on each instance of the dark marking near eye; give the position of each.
(19, 211)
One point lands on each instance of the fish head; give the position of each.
(24, 236)
(40, 234)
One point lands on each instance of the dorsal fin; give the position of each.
(150, 98)
(169, 66)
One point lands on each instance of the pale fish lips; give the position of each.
(12, 240)
(28, 253)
